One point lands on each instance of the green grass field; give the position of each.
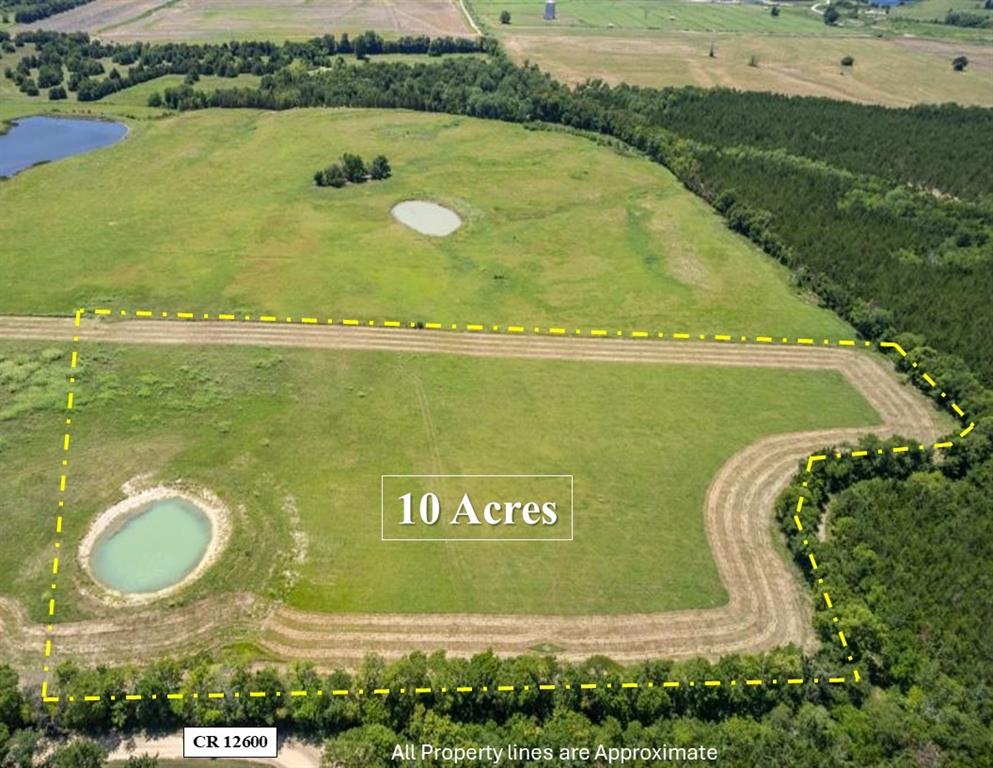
(279, 433)
(557, 229)
(652, 15)
(935, 10)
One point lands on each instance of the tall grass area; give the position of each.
(295, 443)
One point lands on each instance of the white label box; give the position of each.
(230, 742)
(479, 508)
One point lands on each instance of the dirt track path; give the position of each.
(767, 605)
(292, 752)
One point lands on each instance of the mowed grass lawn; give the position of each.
(297, 440)
(217, 211)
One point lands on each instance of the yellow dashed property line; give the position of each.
(434, 690)
(515, 329)
(893, 345)
(48, 645)
(559, 330)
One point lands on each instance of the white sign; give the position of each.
(230, 742)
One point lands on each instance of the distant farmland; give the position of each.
(267, 19)
(662, 43)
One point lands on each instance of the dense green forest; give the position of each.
(934, 147)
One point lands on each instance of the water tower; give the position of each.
(549, 10)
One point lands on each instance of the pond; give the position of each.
(427, 218)
(33, 140)
(156, 547)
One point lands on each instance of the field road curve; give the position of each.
(768, 604)
(292, 753)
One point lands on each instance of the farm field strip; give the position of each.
(893, 71)
(209, 20)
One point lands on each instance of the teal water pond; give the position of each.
(153, 549)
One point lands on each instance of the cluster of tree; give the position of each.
(370, 43)
(910, 537)
(927, 145)
(352, 169)
(28, 11)
(967, 19)
(142, 62)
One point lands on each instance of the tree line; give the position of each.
(28, 11)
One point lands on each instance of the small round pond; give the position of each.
(33, 140)
(427, 218)
(152, 549)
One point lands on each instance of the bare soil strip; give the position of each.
(768, 606)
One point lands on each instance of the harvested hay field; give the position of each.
(211, 20)
(893, 72)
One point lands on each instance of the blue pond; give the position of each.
(33, 140)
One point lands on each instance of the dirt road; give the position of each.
(767, 605)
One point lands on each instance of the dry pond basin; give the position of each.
(426, 217)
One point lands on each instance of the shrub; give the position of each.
(505, 17)
(959, 63)
(57, 93)
(155, 100)
(774, 11)
(847, 61)
(380, 168)
(353, 167)
(831, 15)
(334, 176)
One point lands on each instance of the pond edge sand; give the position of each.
(137, 499)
